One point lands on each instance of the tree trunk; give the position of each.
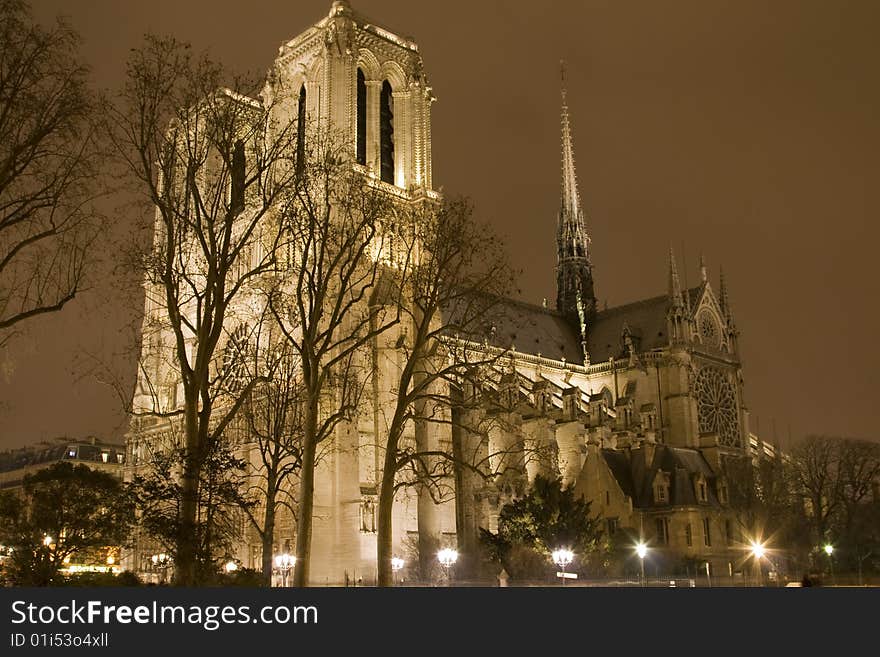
(384, 535)
(306, 498)
(268, 539)
(185, 559)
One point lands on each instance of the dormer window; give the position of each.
(701, 489)
(661, 488)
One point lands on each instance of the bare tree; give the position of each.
(48, 167)
(818, 476)
(334, 229)
(273, 422)
(207, 154)
(456, 275)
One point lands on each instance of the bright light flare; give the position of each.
(447, 557)
(829, 549)
(641, 550)
(396, 563)
(758, 550)
(562, 557)
(285, 560)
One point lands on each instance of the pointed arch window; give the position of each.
(361, 118)
(238, 174)
(301, 130)
(386, 133)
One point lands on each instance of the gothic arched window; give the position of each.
(386, 133)
(238, 174)
(301, 129)
(361, 118)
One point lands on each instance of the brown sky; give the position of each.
(745, 130)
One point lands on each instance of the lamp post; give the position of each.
(829, 550)
(562, 558)
(284, 562)
(230, 567)
(396, 566)
(642, 550)
(447, 557)
(160, 561)
(758, 551)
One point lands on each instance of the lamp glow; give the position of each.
(758, 549)
(562, 557)
(447, 557)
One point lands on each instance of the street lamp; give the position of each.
(48, 540)
(562, 558)
(642, 550)
(829, 550)
(230, 567)
(396, 565)
(447, 557)
(758, 551)
(161, 561)
(284, 562)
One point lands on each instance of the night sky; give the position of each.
(745, 130)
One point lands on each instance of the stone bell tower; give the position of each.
(366, 84)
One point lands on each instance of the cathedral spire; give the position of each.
(704, 274)
(575, 297)
(570, 206)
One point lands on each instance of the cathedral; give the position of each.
(636, 406)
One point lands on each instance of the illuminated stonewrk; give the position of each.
(637, 406)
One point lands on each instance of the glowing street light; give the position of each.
(161, 561)
(284, 562)
(829, 550)
(230, 567)
(642, 550)
(447, 557)
(48, 540)
(758, 551)
(396, 565)
(562, 558)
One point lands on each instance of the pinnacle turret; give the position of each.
(675, 297)
(724, 299)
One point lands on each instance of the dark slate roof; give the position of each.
(636, 477)
(646, 320)
(536, 330)
(618, 463)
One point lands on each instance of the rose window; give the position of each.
(716, 406)
(708, 329)
(235, 366)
